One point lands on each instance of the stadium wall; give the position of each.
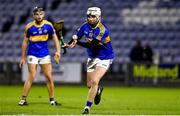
(126, 74)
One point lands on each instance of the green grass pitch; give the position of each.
(115, 101)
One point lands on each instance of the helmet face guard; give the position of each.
(94, 11)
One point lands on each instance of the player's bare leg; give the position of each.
(28, 83)
(47, 70)
(93, 79)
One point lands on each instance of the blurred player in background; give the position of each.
(35, 42)
(100, 53)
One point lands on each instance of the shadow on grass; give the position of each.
(41, 103)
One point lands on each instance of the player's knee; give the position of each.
(49, 79)
(88, 84)
(29, 81)
(94, 82)
(31, 78)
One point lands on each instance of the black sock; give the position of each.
(51, 99)
(24, 98)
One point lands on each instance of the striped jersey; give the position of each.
(38, 38)
(101, 33)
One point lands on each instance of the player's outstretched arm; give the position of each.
(73, 42)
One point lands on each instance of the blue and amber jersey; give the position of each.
(101, 33)
(38, 38)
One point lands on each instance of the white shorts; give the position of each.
(36, 60)
(92, 63)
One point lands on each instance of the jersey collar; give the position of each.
(34, 23)
(95, 26)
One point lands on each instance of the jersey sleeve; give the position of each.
(27, 32)
(51, 30)
(80, 32)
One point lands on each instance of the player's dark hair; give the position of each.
(37, 9)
